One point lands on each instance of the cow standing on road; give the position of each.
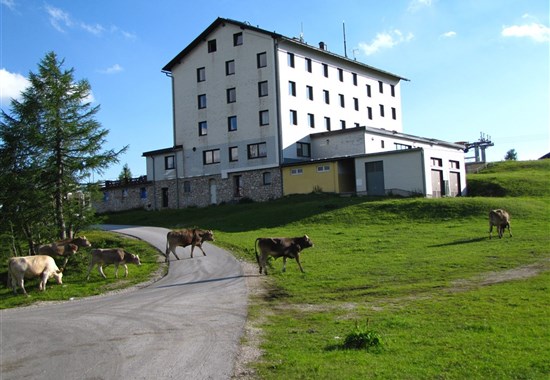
(500, 219)
(182, 238)
(287, 248)
(116, 256)
(41, 266)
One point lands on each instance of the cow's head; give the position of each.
(134, 259)
(82, 241)
(58, 275)
(71, 249)
(305, 242)
(207, 235)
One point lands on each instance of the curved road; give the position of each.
(185, 326)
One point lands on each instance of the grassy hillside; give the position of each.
(512, 178)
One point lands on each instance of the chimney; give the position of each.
(322, 46)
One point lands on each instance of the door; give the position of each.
(437, 184)
(164, 197)
(375, 178)
(454, 184)
(213, 190)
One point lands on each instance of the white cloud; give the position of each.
(116, 68)
(94, 29)
(11, 86)
(59, 19)
(416, 5)
(385, 41)
(8, 3)
(537, 32)
(449, 34)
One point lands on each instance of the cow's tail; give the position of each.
(256, 250)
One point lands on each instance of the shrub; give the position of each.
(362, 339)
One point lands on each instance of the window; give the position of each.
(341, 75)
(201, 74)
(293, 117)
(211, 156)
(342, 124)
(202, 101)
(232, 123)
(233, 153)
(261, 59)
(399, 146)
(325, 70)
(203, 128)
(369, 113)
(266, 178)
(381, 110)
(356, 104)
(342, 100)
(311, 120)
(323, 168)
(392, 90)
(309, 92)
(262, 88)
(454, 165)
(298, 171)
(308, 65)
(230, 67)
(368, 90)
(437, 162)
(354, 78)
(291, 88)
(264, 117)
(231, 95)
(237, 186)
(327, 123)
(143, 193)
(382, 145)
(381, 87)
(326, 95)
(186, 186)
(303, 149)
(169, 162)
(290, 59)
(393, 113)
(257, 150)
(237, 39)
(211, 46)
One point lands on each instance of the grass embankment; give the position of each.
(74, 277)
(447, 301)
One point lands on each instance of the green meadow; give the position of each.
(421, 274)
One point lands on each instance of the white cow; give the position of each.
(41, 266)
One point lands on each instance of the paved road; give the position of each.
(185, 326)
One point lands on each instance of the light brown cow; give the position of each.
(182, 238)
(500, 219)
(115, 256)
(287, 248)
(65, 248)
(41, 266)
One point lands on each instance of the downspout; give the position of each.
(154, 185)
(423, 172)
(278, 106)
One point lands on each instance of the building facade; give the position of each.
(248, 104)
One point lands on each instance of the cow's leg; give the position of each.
(284, 263)
(490, 230)
(263, 263)
(509, 230)
(192, 248)
(173, 250)
(21, 284)
(43, 281)
(100, 270)
(116, 270)
(65, 263)
(200, 246)
(125, 270)
(299, 264)
(500, 231)
(89, 270)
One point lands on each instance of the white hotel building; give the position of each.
(259, 115)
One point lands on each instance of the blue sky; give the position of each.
(475, 66)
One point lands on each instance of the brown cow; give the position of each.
(500, 219)
(65, 248)
(281, 247)
(114, 256)
(182, 238)
(41, 266)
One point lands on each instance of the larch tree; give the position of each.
(60, 139)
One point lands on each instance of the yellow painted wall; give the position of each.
(310, 179)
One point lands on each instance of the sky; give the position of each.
(476, 67)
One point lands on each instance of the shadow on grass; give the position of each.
(458, 242)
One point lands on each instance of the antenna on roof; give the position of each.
(345, 47)
(301, 32)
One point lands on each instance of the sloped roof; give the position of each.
(243, 25)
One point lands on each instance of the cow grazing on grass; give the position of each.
(65, 248)
(500, 219)
(115, 256)
(41, 266)
(182, 238)
(287, 248)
